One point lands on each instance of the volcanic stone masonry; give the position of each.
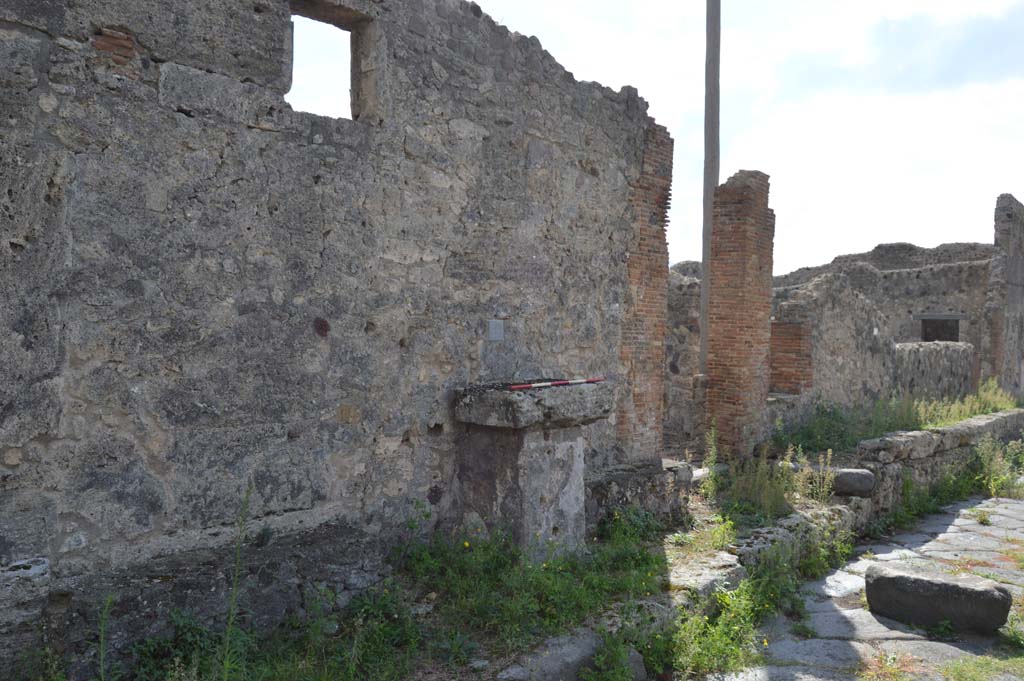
(899, 320)
(211, 298)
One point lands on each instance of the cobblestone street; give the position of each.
(840, 639)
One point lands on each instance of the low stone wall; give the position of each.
(935, 370)
(662, 490)
(925, 456)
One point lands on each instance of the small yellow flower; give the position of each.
(466, 544)
(765, 642)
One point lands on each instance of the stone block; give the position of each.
(563, 658)
(853, 482)
(927, 599)
(662, 490)
(557, 407)
(520, 463)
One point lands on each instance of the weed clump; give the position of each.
(839, 429)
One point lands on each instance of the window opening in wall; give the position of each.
(321, 69)
(940, 330)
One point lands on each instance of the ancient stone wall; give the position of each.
(208, 293)
(851, 361)
(935, 370)
(684, 419)
(898, 256)
(1005, 304)
(925, 457)
(837, 329)
(739, 312)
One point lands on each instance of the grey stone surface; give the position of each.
(785, 674)
(206, 292)
(935, 370)
(700, 576)
(853, 482)
(662, 490)
(922, 598)
(830, 654)
(898, 256)
(858, 625)
(934, 652)
(836, 585)
(562, 658)
(848, 641)
(526, 482)
(562, 406)
(684, 409)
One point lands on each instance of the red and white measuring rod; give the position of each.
(550, 384)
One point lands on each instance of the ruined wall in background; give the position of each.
(858, 312)
(206, 292)
(851, 361)
(935, 370)
(848, 333)
(897, 256)
(684, 418)
(1005, 303)
(739, 312)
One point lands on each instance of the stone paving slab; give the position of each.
(973, 540)
(785, 674)
(911, 539)
(859, 625)
(957, 555)
(934, 652)
(848, 639)
(832, 654)
(890, 551)
(836, 585)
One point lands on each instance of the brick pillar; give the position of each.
(739, 315)
(641, 405)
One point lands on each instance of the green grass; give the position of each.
(993, 470)
(611, 662)
(803, 630)
(715, 536)
(759, 490)
(486, 596)
(985, 668)
(491, 591)
(723, 636)
(838, 429)
(39, 665)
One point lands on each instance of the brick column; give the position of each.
(739, 315)
(641, 406)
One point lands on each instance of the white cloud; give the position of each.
(851, 171)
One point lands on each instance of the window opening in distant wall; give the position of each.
(321, 69)
(940, 330)
(340, 59)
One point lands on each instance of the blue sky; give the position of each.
(878, 120)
